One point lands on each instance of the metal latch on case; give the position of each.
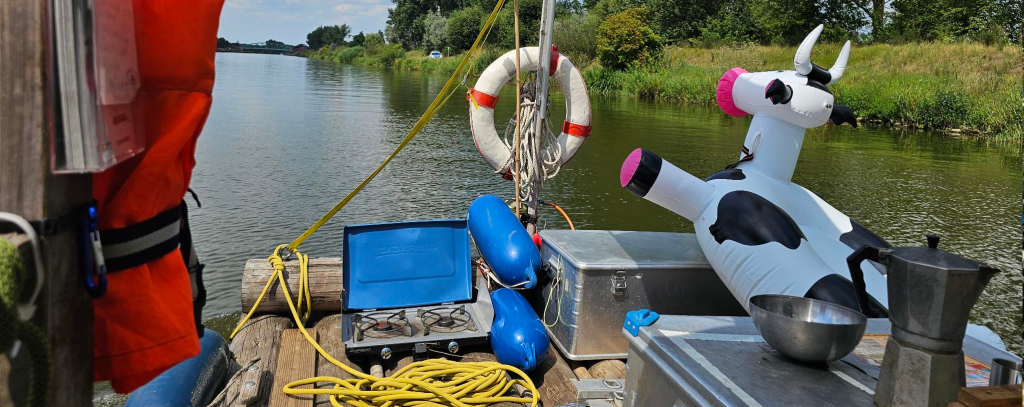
(619, 283)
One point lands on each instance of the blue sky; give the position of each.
(289, 21)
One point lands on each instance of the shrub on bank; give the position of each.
(624, 40)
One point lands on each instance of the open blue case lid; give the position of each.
(406, 264)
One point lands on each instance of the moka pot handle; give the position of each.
(857, 275)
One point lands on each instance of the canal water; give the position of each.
(289, 137)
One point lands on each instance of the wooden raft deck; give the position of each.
(285, 356)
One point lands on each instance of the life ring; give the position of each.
(483, 98)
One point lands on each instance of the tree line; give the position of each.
(437, 24)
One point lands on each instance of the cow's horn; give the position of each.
(802, 60)
(837, 69)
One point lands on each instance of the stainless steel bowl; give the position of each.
(807, 330)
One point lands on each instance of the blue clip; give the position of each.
(92, 255)
(637, 319)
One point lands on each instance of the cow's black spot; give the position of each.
(748, 219)
(734, 174)
(837, 289)
(861, 236)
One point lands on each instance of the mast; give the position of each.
(547, 25)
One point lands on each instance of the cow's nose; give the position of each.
(778, 92)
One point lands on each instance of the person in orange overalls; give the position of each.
(144, 323)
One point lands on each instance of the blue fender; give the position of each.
(518, 338)
(503, 241)
(192, 383)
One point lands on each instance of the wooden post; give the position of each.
(27, 188)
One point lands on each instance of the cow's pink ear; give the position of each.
(724, 92)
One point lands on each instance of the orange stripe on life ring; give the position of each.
(554, 60)
(576, 130)
(481, 99)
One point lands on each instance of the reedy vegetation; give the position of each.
(968, 86)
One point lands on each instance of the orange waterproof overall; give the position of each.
(144, 323)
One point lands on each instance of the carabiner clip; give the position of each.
(92, 254)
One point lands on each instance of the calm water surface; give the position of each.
(288, 137)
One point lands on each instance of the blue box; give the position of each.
(406, 264)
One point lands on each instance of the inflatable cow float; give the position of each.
(761, 232)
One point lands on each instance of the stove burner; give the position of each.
(381, 325)
(446, 319)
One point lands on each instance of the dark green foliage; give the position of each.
(625, 40)
(575, 36)
(224, 43)
(677, 20)
(503, 31)
(357, 40)
(604, 8)
(463, 27)
(405, 20)
(328, 35)
(953, 20)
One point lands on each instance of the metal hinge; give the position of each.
(619, 283)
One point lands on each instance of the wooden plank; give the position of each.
(324, 285)
(992, 396)
(552, 379)
(30, 190)
(329, 333)
(260, 337)
(580, 369)
(608, 369)
(296, 360)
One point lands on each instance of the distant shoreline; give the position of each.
(960, 88)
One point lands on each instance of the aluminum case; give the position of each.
(599, 275)
(724, 362)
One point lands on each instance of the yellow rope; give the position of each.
(430, 383)
(434, 107)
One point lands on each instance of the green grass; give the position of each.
(967, 86)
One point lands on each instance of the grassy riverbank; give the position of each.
(963, 86)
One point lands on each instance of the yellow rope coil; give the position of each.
(430, 383)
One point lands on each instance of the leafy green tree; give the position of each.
(875, 10)
(679, 20)
(574, 36)
(780, 22)
(1008, 15)
(935, 20)
(434, 34)
(373, 43)
(604, 8)
(328, 35)
(224, 43)
(626, 40)
(503, 30)
(463, 27)
(357, 40)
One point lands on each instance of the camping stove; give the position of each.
(408, 287)
(419, 330)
